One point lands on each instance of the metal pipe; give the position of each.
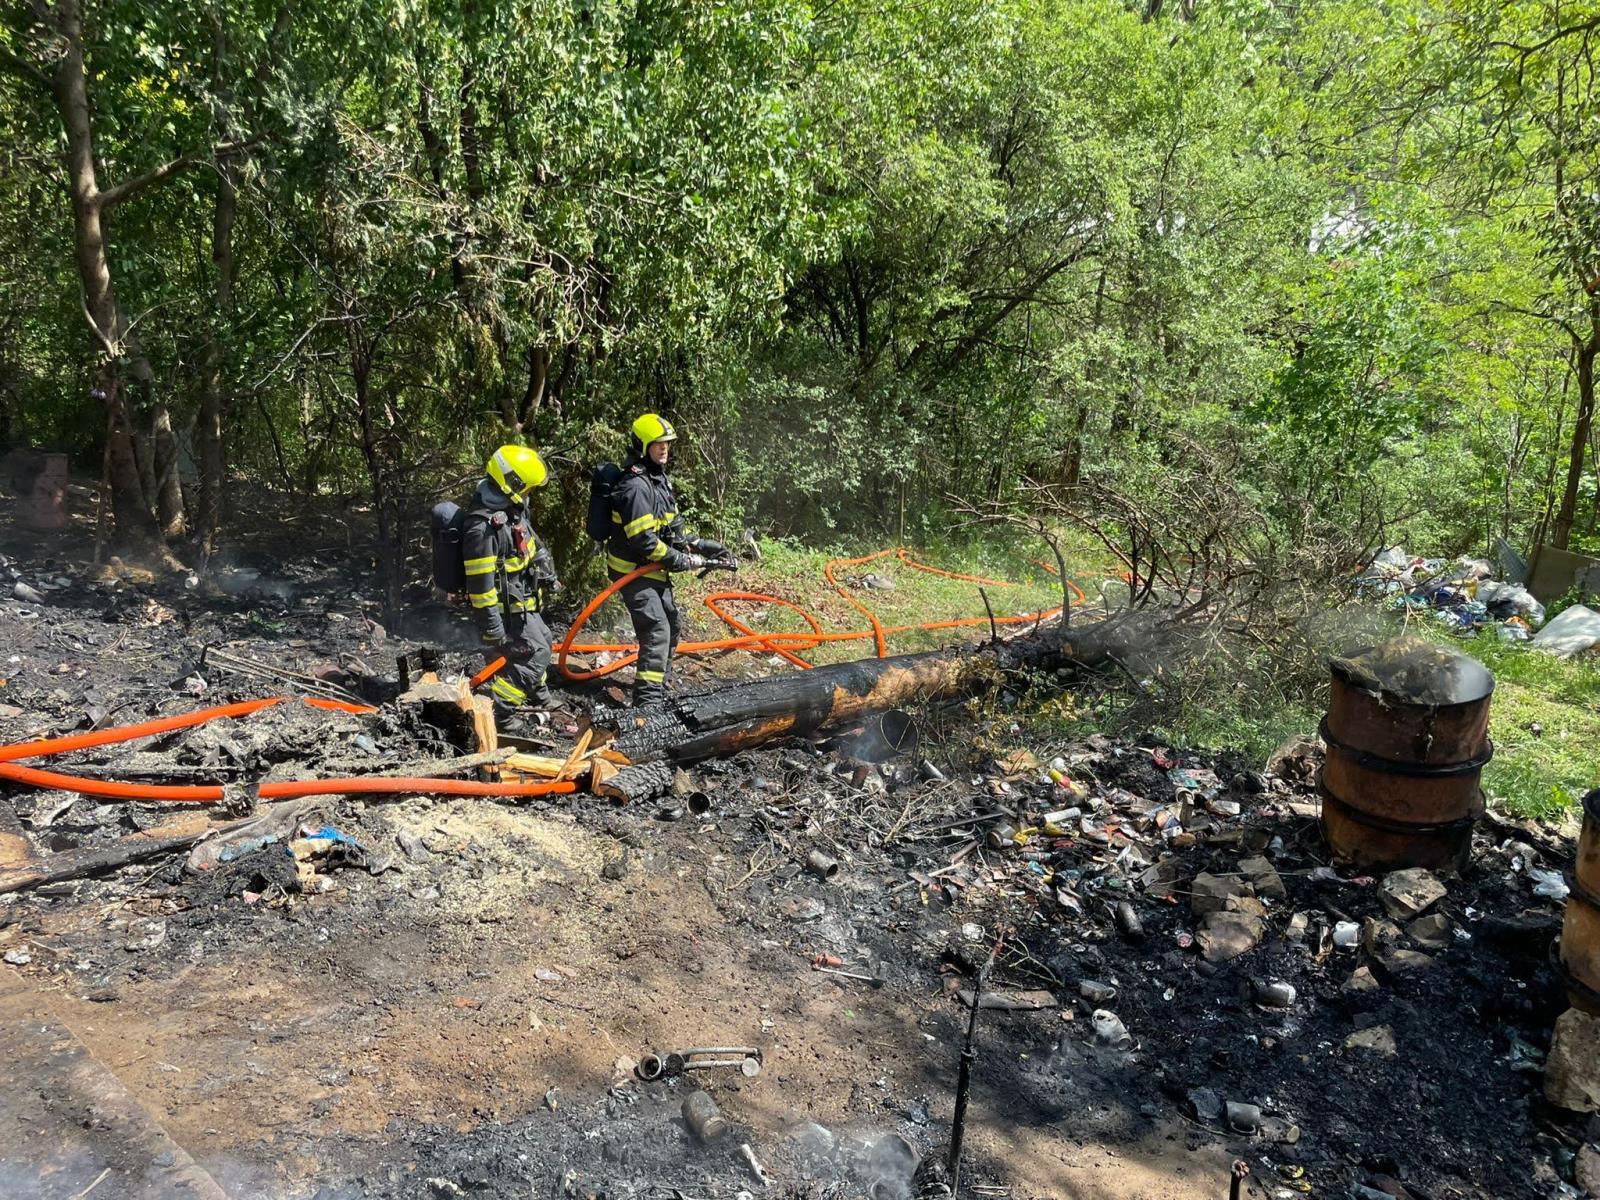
(210, 655)
(824, 866)
(874, 980)
(748, 1067)
(651, 1067)
(1237, 1176)
(679, 1062)
(958, 1119)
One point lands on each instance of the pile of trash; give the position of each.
(1461, 594)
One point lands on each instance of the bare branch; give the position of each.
(132, 187)
(1583, 27)
(113, 349)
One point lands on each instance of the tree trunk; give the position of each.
(533, 397)
(1072, 456)
(213, 450)
(1584, 355)
(391, 550)
(132, 503)
(164, 457)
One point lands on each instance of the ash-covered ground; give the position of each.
(450, 996)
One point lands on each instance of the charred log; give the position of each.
(78, 864)
(632, 785)
(687, 728)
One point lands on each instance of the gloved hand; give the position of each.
(712, 549)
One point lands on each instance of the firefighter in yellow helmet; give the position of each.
(509, 572)
(647, 531)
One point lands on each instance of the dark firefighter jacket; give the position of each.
(508, 568)
(645, 526)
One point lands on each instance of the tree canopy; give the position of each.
(880, 262)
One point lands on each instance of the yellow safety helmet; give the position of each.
(651, 428)
(517, 470)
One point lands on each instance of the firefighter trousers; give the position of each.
(655, 628)
(521, 684)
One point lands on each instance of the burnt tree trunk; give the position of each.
(736, 717)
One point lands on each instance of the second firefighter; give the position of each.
(648, 532)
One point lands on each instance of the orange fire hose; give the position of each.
(211, 793)
(483, 676)
(127, 733)
(294, 789)
(788, 645)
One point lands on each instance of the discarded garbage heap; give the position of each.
(1407, 732)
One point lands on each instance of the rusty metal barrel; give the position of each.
(1407, 733)
(1580, 930)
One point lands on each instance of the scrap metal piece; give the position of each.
(700, 1058)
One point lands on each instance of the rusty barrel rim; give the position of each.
(1389, 825)
(1577, 889)
(1353, 680)
(1392, 766)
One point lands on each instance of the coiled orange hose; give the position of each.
(787, 645)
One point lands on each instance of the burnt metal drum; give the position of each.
(1407, 737)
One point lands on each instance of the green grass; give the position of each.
(1543, 773)
(796, 573)
(1544, 719)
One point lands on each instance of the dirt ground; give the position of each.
(461, 1011)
